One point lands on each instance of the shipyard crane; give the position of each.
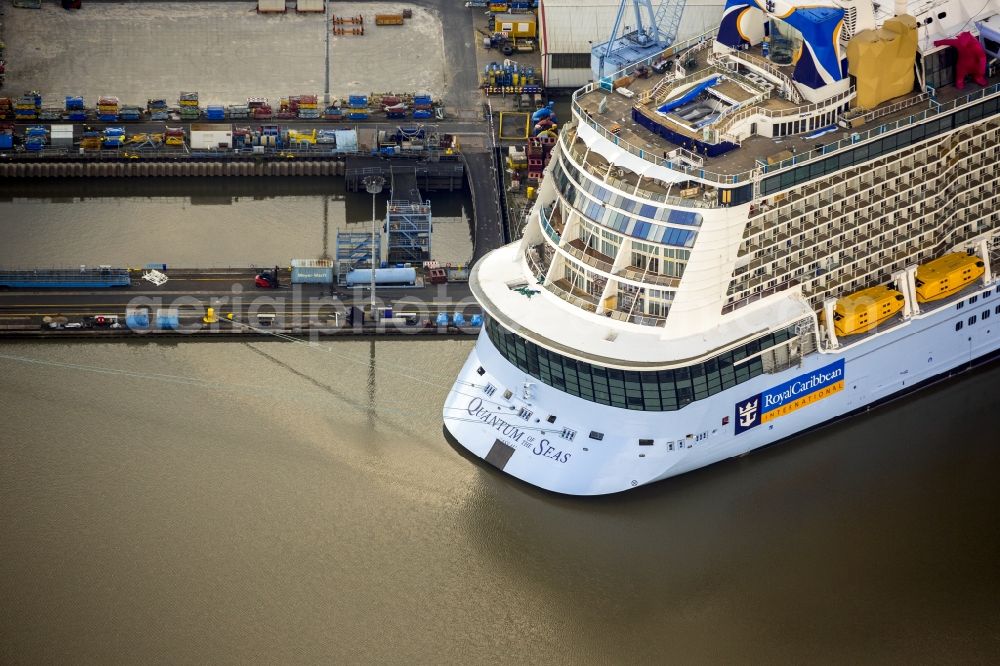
(653, 32)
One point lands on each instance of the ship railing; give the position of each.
(588, 304)
(825, 105)
(898, 106)
(793, 91)
(547, 227)
(588, 258)
(630, 189)
(640, 275)
(655, 158)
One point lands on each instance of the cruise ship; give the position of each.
(759, 231)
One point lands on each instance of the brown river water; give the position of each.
(270, 502)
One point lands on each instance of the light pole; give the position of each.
(374, 186)
(328, 29)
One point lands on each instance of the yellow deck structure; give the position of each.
(864, 310)
(947, 275)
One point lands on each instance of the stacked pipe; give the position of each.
(173, 136)
(28, 106)
(75, 110)
(158, 109)
(308, 107)
(358, 107)
(114, 137)
(131, 113)
(189, 106)
(259, 108)
(107, 109)
(215, 112)
(91, 140)
(34, 138)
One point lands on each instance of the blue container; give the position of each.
(357, 101)
(108, 117)
(77, 115)
(167, 319)
(34, 144)
(442, 319)
(6, 141)
(458, 319)
(421, 114)
(74, 104)
(477, 320)
(357, 116)
(137, 321)
(130, 114)
(421, 99)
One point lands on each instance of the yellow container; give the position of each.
(519, 26)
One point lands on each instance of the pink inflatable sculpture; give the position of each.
(971, 58)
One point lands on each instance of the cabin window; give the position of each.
(598, 436)
(986, 314)
(973, 300)
(645, 442)
(961, 304)
(958, 326)
(972, 320)
(996, 310)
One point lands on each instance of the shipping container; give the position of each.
(312, 271)
(211, 137)
(62, 135)
(167, 319)
(360, 277)
(388, 19)
(47, 278)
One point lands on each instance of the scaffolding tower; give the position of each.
(408, 221)
(354, 250)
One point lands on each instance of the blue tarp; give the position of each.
(690, 95)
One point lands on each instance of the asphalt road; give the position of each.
(229, 292)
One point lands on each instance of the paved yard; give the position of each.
(223, 50)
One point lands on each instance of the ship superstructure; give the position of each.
(736, 241)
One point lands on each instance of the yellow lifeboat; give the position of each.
(947, 275)
(864, 310)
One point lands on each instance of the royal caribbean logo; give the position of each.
(794, 394)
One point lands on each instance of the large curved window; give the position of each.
(621, 221)
(654, 390)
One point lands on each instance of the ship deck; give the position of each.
(616, 118)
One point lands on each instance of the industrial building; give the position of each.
(568, 29)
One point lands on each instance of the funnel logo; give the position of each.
(747, 414)
(786, 398)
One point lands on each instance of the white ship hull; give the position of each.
(894, 361)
